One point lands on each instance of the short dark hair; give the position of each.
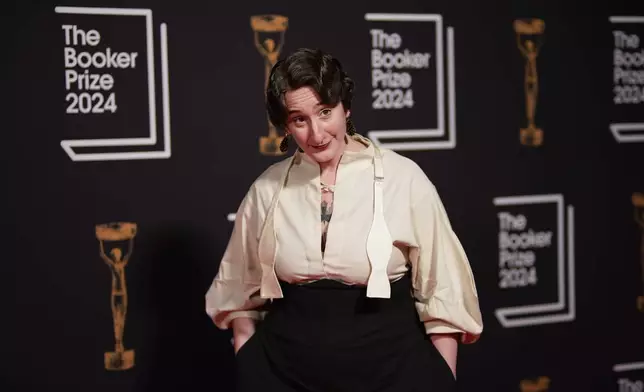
(307, 67)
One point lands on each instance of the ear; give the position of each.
(347, 113)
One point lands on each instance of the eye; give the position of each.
(298, 121)
(326, 112)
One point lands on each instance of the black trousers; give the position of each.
(327, 336)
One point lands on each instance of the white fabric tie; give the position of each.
(379, 242)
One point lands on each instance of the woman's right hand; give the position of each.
(243, 329)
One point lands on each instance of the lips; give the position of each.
(321, 147)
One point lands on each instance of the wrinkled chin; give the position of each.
(325, 155)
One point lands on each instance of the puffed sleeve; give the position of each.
(444, 287)
(234, 291)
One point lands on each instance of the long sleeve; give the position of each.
(444, 287)
(234, 291)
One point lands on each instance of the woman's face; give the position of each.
(318, 129)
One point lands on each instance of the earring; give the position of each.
(351, 129)
(284, 144)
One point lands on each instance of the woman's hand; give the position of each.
(243, 329)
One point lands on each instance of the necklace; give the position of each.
(326, 187)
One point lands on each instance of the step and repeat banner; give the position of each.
(139, 126)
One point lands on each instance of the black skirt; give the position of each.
(329, 337)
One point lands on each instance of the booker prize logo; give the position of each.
(109, 80)
(629, 377)
(268, 35)
(638, 203)
(536, 260)
(413, 97)
(628, 79)
(529, 40)
(116, 242)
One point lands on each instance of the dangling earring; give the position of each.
(284, 143)
(351, 129)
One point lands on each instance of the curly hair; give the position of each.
(307, 67)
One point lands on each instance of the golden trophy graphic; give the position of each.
(638, 203)
(111, 236)
(273, 27)
(527, 32)
(540, 385)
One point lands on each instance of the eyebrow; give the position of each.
(317, 105)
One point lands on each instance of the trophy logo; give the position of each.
(269, 31)
(116, 244)
(540, 385)
(529, 34)
(638, 203)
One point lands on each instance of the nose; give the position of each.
(316, 132)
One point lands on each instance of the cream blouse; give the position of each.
(387, 218)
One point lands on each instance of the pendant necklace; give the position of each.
(326, 187)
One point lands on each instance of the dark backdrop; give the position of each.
(551, 229)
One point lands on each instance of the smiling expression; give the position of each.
(318, 129)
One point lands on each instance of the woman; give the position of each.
(342, 272)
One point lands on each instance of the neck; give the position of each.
(328, 169)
